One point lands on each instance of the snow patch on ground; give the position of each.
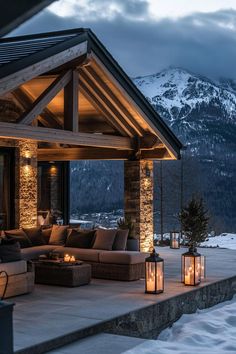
(225, 240)
(207, 331)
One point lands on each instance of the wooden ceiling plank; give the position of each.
(47, 118)
(99, 106)
(22, 131)
(109, 106)
(116, 102)
(46, 96)
(71, 104)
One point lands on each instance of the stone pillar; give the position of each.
(139, 200)
(26, 183)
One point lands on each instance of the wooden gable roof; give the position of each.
(73, 92)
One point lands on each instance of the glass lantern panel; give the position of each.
(150, 276)
(159, 277)
(189, 271)
(203, 268)
(174, 240)
(197, 270)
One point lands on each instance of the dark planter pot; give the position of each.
(132, 244)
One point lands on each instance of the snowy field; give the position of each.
(210, 331)
(224, 240)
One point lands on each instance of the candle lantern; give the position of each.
(174, 240)
(203, 267)
(191, 267)
(154, 274)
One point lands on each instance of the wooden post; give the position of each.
(139, 200)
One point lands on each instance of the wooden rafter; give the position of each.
(46, 96)
(22, 131)
(105, 89)
(47, 118)
(71, 109)
(107, 104)
(100, 107)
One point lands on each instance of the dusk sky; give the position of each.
(147, 36)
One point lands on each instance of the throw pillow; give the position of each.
(9, 250)
(58, 235)
(35, 236)
(20, 236)
(80, 239)
(104, 239)
(46, 233)
(120, 240)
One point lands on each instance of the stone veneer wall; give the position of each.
(26, 184)
(139, 200)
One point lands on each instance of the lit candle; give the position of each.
(66, 258)
(72, 258)
(189, 276)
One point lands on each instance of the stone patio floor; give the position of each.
(51, 311)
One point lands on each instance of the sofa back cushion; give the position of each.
(35, 236)
(20, 236)
(104, 239)
(120, 240)
(9, 250)
(80, 238)
(46, 233)
(58, 235)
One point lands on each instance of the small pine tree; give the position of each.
(194, 221)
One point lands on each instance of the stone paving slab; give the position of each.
(58, 315)
(102, 344)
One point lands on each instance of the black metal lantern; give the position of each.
(174, 240)
(154, 274)
(191, 267)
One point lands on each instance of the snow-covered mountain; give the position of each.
(202, 113)
(193, 106)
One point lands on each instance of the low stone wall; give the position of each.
(148, 322)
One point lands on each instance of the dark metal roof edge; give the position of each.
(23, 63)
(133, 91)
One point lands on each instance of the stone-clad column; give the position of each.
(26, 184)
(139, 200)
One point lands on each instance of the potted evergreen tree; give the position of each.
(126, 224)
(194, 221)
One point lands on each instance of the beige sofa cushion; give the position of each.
(104, 239)
(14, 268)
(84, 254)
(122, 257)
(34, 252)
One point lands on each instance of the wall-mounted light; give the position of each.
(147, 171)
(27, 161)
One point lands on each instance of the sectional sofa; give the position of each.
(104, 249)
